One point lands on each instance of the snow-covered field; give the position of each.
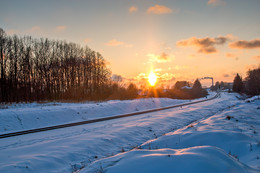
(226, 142)
(212, 142)
(16, 117)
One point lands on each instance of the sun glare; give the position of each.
(152, 78)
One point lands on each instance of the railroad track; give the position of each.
(6, 135)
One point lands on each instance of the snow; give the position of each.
(186, 87)
(253, 98)
(194, 159)
(18, 117)
(226, 142)
(89, 147)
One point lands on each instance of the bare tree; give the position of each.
(43, 69)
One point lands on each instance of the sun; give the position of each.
(152, 78)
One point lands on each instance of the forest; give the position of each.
(42, 69)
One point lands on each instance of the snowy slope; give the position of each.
(70, 149)
(226, 142)
(18, 117)
(200, 159)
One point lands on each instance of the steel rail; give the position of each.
(6, 135)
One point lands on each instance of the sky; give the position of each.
(177, 39)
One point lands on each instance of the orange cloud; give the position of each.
(204, 45)
(158, 69)
(141, 76)
(163, 58)
(159, 9)
(87, 40)
(132, 9)
(11, 31)
(167, 77)
(232, 55)
(216, 2)
(257, 57)
(61, 28)
(226, 75)
(115, 43)
(243, 44)
(35, 29)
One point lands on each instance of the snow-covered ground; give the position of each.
(87, 147)
(193, 159)
(16, 117)
(226, 142)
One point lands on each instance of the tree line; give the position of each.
(250, 85)
(42, 69)
(181, 90)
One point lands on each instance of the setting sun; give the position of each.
(152, 78)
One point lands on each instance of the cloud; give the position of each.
(216, 2)
(232, 55)
(243, 44)
(61, 28)
(141, 76)
(35, 29)
(257, 57)
(204, 45)
(163, 58)
(167, 77)
(159, 9)
(11, 31)
(226, 75)
(87, 40)
(158, 69)
(132, 9)
(115, 43)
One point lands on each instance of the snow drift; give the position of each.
(194, 159)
